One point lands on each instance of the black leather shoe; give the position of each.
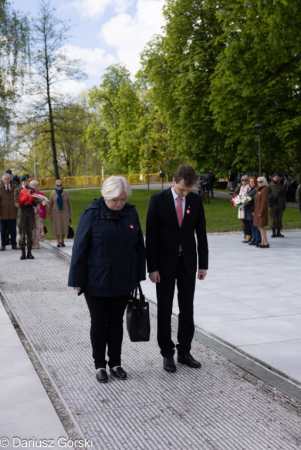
(169, 364)
(119, 373)
(189, 361)
(102, 376)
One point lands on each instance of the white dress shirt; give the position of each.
(175, 195)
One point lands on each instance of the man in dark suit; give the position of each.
(173, 217)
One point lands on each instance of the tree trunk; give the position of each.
(51, 122)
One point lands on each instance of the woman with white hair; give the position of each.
(40, 212)
(108, 259)
(261, 210)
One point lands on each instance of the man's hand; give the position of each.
(154, 277)
(202, 274)
(78, 289)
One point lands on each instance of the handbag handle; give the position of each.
(138, 301)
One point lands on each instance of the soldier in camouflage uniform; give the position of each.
(26, 221)
(277, 205)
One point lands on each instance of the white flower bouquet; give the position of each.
(240, 201)
(41, 198)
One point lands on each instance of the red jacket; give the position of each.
(25, 197)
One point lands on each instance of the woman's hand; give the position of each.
(78, 289)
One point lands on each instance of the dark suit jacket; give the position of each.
(164, 236)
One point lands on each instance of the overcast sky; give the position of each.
(105, 32)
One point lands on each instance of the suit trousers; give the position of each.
(11, 224)
(106, 328)
(165, 294)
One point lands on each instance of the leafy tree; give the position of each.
(14, 32)
(118, 111)
(178, 66)
(71, 142)
(257, 80)
(50, 69)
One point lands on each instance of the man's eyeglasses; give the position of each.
(58, 185)
(244, 179)
(259, 181)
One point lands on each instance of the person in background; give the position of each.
(199, 185)
(277, 205)
(261, 215)
(231, 178)
(211, 180)
(16, 179)
(8, 212)
(249, 210)
(24, 185)
(241, 212)
(108, 259)
(40, 212)
(60, 213)
(298, 197)
(205, 190)
(26, 221)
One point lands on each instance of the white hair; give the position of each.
(5, 175)
(263, 179)
(114, 186)
(34, 183)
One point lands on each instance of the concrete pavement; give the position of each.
(249, 299)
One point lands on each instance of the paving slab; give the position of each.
(251, 298)
(25, 408)
(220, 406)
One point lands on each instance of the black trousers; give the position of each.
(246, 227)
(106, 328)
(11, 224)
(165, 293)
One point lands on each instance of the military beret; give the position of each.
(24, 177)
(275, 174)
(8, 171)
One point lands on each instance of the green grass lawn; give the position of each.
(220, 215)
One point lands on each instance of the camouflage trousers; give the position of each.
(26, 226)
(276, 213)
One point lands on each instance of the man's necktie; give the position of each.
(179, 211)
(7, 189)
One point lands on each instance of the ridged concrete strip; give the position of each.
(217, 407)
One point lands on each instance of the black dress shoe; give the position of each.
(189, 361)
(102, 376)
(169, 364)
(119, 373)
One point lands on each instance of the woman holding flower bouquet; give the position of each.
(241, 213)
(261, 216)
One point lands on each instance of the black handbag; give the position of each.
(137, 316)
(70, 234)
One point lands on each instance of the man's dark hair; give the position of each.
(186, 173)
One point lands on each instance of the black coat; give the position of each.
(108, 256)
(164, 236)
